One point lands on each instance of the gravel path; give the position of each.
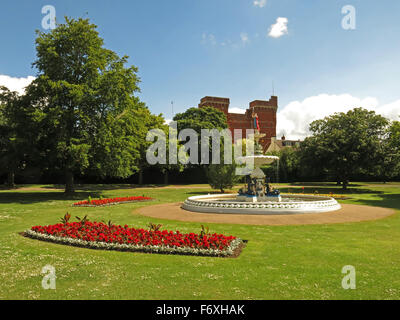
(348, 213)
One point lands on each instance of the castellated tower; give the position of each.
(266, 111)
(222, 104)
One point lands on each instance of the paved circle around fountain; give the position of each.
(348, 213)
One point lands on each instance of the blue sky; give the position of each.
(187, 49)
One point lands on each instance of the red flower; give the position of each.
(103, 202)
(100, 232)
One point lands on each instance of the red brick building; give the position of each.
(266, 111)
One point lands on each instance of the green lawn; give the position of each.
(292, 262)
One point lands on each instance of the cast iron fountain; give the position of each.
(258, 196)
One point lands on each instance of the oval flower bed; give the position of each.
(109, 201)
(98, 235)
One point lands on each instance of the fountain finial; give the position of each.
(258, 149)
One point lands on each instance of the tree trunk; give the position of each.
(11, 179)
(345, 184)
(166, 177)
(140, 177)
(69, 182)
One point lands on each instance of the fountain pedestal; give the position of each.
(257, 189)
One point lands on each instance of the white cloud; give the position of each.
(391, 110)
(294, 119)
(237, 110)
(211, 39)
(15, 84)
(279, 28)
(244, 37)
(260, 3)
(208, 39)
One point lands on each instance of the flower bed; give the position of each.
(98, 235)
(109, 202)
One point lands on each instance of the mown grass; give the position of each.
(285, 262)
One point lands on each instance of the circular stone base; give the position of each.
(228, 203)
(348, 213)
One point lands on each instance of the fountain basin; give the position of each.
(289, 204)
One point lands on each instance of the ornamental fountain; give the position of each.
(258, 196)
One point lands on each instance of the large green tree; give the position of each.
(287, 168)
(389, 165)
(82, 104)
(150, 122)
(10, 146)
(201, 118)
(220, 176)
(345, 144)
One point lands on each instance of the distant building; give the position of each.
(265, 110)
(277, 145)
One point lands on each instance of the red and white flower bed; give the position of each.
(98, 235)
(109, 201)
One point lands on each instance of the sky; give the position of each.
(315, 55)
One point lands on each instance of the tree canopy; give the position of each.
(388, 165)
(345, 143)
(201, 118)
(10, 152)
(83, 105)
